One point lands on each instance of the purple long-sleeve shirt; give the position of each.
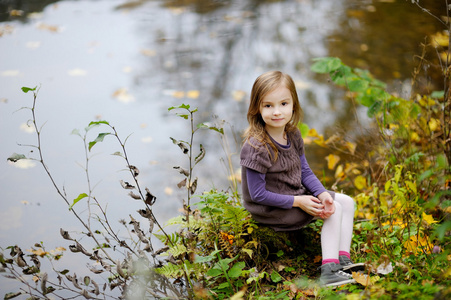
(257, 187)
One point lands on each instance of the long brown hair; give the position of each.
(263, 85)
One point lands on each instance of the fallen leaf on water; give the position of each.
(77, 72)
(148, 52)
(123, 96)
(238, 95)
(147, 140)
(302, 85)
(178, 94)
(168, 191)
(33, 45)
(51, 28)
(10, 73)
(127, 69)
(193, 94)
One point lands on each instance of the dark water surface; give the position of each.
(127, 62)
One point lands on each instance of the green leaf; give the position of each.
(374, 109)
(76, 132)
(98, 123)
(15, 157)
(304, 128)
(184, 106)
(184, 116)
(87, 280)
(236, 269)
(81, 196)
(442, 229)
(275, 277)
(224, 285)
(27, 89)
(12, 295)
(357, 85)
(438, 94)
(326, 64)
(214, 272)
(99, 138)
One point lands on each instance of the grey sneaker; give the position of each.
(332, 275)
(349, 266)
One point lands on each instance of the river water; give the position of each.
(127, 62)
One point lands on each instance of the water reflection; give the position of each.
(127, 62)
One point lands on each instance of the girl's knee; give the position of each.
(347, 202)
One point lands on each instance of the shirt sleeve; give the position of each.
(309, 179)
(257, 189)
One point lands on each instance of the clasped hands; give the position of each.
(322, 206)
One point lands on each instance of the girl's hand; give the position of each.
(329, 206)
(309, 204)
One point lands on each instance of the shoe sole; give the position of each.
(339, 283)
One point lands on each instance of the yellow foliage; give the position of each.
(332, 161)
(364, 279)
(351, 147)
(428, 218)
(434, 124)
(360, 182)
(39, 252)
(440, 39)
(339, 172)
(418, 244)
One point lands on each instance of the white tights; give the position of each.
(336, 234)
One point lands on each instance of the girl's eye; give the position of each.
(267, 105)
(284, 103)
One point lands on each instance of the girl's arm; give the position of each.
(309, 179)
(312, 183)
(257, 190)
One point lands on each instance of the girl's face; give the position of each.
(276, 109)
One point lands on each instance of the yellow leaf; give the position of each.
(360, 182)
(351, 147)
(414, 137)
(434, 124)
(334, 138)
(361, 278)
(312, 133)
(339, 172)
(332, 161)
(440, 39)
(418, 244)
(320, 141)
(38, 252)
(193, 94)
(429, 218)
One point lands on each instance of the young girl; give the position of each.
(279, 188)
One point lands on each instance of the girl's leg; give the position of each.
(331, 236)
(347, 222)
